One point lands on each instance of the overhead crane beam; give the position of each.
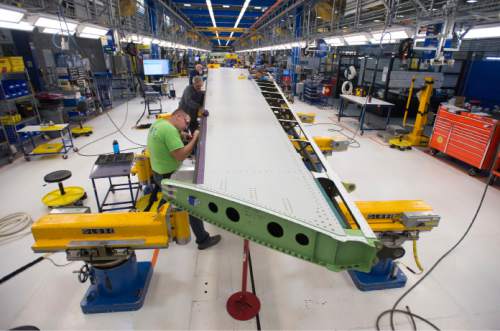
(223, 38)
(222, 29)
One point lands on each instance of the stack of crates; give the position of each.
(11, 64)
(16, 63)
(14, 88)
(10, 119)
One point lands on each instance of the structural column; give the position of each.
(296, 50)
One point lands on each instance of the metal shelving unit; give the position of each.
(123, 86)
(11, 106)
(6, 155)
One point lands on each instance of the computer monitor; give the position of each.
(156, 67)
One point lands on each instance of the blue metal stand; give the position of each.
(122, 288)
(385, 274)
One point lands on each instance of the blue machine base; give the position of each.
(384, 275)
(130, 299)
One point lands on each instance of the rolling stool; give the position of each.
(64, 196)
(78, 116)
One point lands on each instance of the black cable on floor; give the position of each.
(391, 311)
(431, 269)
(19, 270)
(252, 281)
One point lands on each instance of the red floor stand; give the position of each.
(243, 305)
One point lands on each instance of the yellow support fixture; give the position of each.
(386, 216)
(58, 232)
(416, 136)
(141, 230)
(306, 117)
(142, 167)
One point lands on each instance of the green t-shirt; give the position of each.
(163, 138)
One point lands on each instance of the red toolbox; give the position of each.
(496, 168)
(467, 137)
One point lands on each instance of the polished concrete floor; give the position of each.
(189, 288)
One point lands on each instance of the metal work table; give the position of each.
(48, 148)
(109, 171)
(373, 103)
(260, 165)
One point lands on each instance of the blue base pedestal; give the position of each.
(122, 288)
(385, 274)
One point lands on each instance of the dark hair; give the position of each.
(179, 111)
(197, 79)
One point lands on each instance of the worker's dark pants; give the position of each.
(196, 224)
(194, 125)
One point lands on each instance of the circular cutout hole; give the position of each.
(302, 239)
(275, 229)
(213, 207)
(232, 214)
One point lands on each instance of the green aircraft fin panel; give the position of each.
(269, 228)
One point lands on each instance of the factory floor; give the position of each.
(189, 288)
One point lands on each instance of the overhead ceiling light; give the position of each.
(389, 36)
(11, 14)
(264, 9)
(483, 32)
(212, 17)
(155, 41)
(58, 31)
(23, 26)
(240, 16)
(187, 5)
(146, 40)
(55, 23)
(134, 38)
(258, 8)
(471, 1)
(92, 29)
(377, 21)
(318, 17)
(400, 16)
(386, 40)
(335, 41)
(89, 36)
(226, 6)
(493, 58)
(356, 39)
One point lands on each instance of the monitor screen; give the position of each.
(156, 67)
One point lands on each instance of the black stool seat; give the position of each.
(57, 176)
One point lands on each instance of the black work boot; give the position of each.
(211, 241)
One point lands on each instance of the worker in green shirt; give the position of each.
(167, 151)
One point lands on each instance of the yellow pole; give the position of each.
(410, 94)
(416, 137)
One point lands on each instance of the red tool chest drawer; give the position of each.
(468, 137)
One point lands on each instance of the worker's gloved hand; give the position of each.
(196, 134)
